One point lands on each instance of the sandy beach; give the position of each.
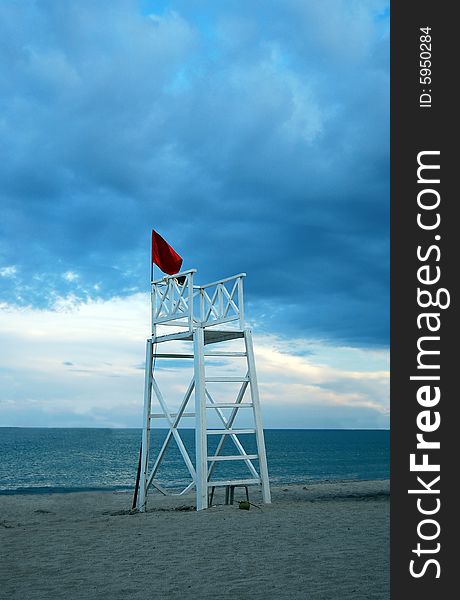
(319, 541)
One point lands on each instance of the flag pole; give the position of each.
(139, 464)
(151, 258)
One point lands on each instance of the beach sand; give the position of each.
(325, 540)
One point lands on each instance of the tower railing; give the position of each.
(172, 301)
(176, 301)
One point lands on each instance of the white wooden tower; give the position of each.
(203, 316)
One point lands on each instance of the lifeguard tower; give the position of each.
(203, 316)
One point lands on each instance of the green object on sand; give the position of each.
(244, 505)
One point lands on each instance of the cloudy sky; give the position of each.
(254, 136)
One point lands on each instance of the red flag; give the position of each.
(164, 256)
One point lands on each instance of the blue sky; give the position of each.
(254, 136)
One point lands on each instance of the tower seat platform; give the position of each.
(211, 336)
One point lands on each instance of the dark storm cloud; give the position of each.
(253, 136)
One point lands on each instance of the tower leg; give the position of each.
(142, 495)
(266, 497)
(201, 444)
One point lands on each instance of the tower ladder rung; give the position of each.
(166, 355)
(172, 415)
(230, 405)
(234, 457)
(234, 482)
(227, 379)
(229, 431)
(216, 353)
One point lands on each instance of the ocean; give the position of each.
(42, 460)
